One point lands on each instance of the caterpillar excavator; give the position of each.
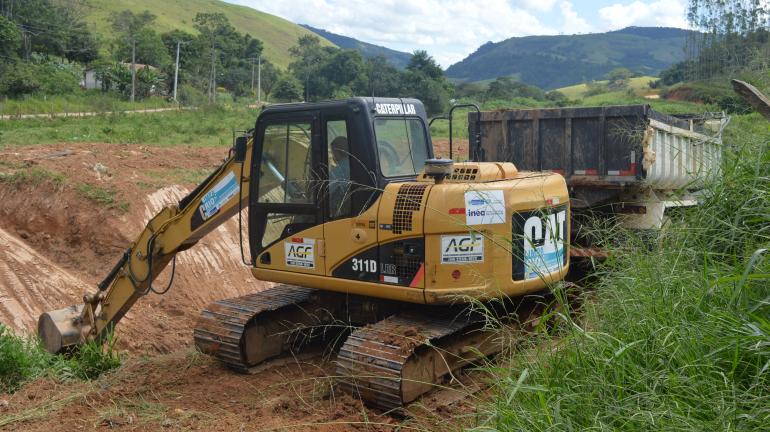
(363, 232)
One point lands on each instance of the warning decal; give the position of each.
(300, 252)
(462, 249)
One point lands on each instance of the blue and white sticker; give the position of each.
(217, 197)
(484, 207)
(544, 244)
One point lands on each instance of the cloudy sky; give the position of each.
(450, 30)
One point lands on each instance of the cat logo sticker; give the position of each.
(300, 252)
(462, 249)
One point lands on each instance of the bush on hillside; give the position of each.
(287, 89)
(46, 77)
(190, 96)
(23, 359)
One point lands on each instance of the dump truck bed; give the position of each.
(604, 151)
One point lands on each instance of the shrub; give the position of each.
(191, 96)
(287, 89)
(23, 359)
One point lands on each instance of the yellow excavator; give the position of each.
(363, 232)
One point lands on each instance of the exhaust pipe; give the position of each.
(60, 330)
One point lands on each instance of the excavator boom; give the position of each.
(174, 229)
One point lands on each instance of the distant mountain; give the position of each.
(277, 34)
(556, 61)
(398, 59)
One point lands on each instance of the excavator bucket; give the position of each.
(59, 329)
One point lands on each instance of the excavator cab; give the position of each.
(317, 163)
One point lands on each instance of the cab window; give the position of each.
(401, 145)
(286, 168)
(339, 189)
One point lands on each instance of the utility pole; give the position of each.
(212, 76)
(176, 70)
(133, 68)
(259, 79)
(252, 73)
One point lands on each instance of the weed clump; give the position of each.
(23, 359)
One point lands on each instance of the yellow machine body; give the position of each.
(461, 252)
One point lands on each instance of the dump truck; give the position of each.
(630, 161)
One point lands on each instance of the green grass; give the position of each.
(637, 84)
(82, 101)
(677, 334)
(102, 196)
(32, 176)
(24, 358)
(277, 34)
(209, 127)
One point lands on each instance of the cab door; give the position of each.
(350, 198)
(286, 222)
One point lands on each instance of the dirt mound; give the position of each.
(69, 211)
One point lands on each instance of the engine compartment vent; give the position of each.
(408, 201)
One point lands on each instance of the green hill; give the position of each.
(557, 61)
(277, 34)
(398, 59)
(637, 84)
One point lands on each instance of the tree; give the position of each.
(307, 54)
(381, 79)
(212, 26)
(149, 46)
(619, 78)
(269, 77)
(10, 39)
(426, 81)
(506, 88)
(128, 25)
(424, 63)
(52, 27)
(287, 88)
(734, 36)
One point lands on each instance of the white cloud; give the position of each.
(537, 5)
(448, 29)
(662, 13)
(572, 22)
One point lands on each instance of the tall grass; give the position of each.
(24, 358)
(677, 334)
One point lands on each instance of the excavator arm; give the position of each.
(174, 229)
